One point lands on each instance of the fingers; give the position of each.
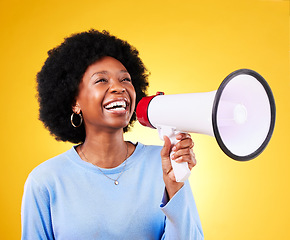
(165, 157)
(185, 141)
(182, 154)
(181, 136)
(166, 147)
(182, 151)
(185, 155)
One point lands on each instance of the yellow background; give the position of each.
(188, 46)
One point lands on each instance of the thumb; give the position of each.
(165, 152)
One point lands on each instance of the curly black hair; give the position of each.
(58, 80)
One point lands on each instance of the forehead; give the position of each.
(105, 65)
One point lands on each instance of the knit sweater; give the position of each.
(66, 198)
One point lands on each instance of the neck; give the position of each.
(106, 150)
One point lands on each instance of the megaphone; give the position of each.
(240, 115)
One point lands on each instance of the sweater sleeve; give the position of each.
(182, 220)
(35, 212)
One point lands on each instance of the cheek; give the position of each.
(133, 97)
(90, 100)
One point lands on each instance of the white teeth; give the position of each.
(116, 104)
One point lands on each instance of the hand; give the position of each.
(182, 152)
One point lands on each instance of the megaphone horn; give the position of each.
(240, 115)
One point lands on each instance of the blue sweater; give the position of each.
(66, 198)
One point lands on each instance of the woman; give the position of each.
(104, 187)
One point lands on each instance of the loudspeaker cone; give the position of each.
(243, 114)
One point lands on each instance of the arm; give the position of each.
(182, 220)
(35, 212)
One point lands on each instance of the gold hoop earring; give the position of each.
(72, 122)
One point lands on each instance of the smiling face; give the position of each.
(106, 96)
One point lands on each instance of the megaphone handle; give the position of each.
(181, 170)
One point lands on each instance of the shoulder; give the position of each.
(51, 168)
(148, 165)
(147, 154)
(151, 150)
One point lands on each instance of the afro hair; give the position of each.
(58, 80)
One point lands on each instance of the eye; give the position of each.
(100, 80)
(126, 80)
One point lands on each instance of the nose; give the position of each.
(117, 87)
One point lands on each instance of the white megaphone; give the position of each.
(240, 115)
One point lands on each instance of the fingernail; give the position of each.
(172, 156)
(174, 149)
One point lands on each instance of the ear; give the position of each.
(76, 108)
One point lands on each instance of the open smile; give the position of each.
(117, 106)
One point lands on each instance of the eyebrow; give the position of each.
(105, 72)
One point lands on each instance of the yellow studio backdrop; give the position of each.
(188, 46)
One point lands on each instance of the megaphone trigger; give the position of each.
(181, 170)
